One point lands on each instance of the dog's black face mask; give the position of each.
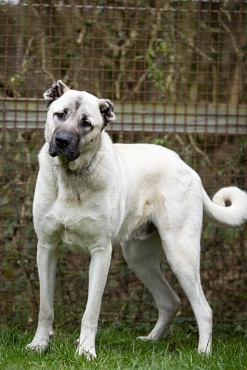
(79, 120)
(66, 143)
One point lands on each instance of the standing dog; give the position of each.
(91, 195)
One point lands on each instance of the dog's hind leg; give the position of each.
(144, 258)
(182, 249)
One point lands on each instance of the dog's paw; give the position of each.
(148, 338)
(89, 354)
(38, 346)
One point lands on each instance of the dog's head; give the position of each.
(75, 121)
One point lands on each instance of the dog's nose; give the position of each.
(62, 140)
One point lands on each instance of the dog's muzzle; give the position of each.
(65, 143)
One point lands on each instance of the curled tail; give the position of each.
(228, 206)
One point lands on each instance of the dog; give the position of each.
(92, 194)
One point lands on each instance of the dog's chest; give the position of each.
(73, 225)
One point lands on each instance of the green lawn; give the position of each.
(119, 349)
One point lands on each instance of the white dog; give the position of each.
(91, 195)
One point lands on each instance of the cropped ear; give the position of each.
(106, 109)
(55, 91)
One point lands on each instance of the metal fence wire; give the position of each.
(176, 72)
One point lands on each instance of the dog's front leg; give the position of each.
(47, 262)
(98, 271)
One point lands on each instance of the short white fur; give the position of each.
(108, 195)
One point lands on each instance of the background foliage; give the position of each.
(164, 53)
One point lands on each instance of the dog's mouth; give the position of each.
(66, 144)
(68, 156)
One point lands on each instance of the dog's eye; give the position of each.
(85, 122)
(61, 116)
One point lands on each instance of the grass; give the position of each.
(119, 349)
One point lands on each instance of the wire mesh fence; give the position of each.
(176, 72)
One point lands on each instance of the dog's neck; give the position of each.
(75, 167)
